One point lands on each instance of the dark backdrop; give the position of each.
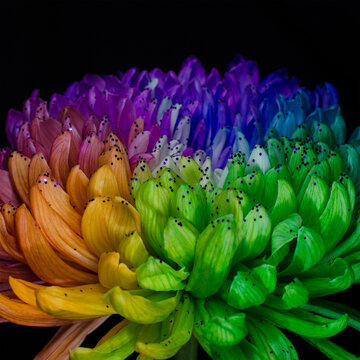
(49, 44)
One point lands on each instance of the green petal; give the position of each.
(350, 244)
(301, 133)
(354, 260)
(285, 203)
(283, 234)
(214, 252)
(251, 185)
(179, 334)
(336, 217)
(310, 249)
(257, 230)
(301, 322)
(141, 174)
(258, 160)
(271, 183)
(179, 241)
(322, 150)
(331, 350)
(275, 152)
(336, 165)
(118, 347)
(132, 250)
(328, 278)
(168, 179)
(191, 205)
(225, 326)
(157, 275)
(323, 133)
(251, 352)
(190, 170)
(236, 165)
(270, 341)
(290, 296)
(154, 308)
(249, 287)
(350, 188)
(351, 159)
(334, 310)
(314, 200)
(153, 203)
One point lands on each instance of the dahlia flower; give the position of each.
(191, 204)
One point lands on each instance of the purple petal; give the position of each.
(13, 123)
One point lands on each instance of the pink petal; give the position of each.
(73, 115)
(7, 192)
(17, 270)
(89, 153)
(104, 128)
(91, 125)
(136, 128)
(139, 144)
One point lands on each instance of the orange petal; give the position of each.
(58, 233)
(38, 166)
(41, 257)
(76, 187)
(89, 153)
(61, 159)
(136, 128)
(103, 183)
(24, 290)
(8, 212)
(19, 173)
(119, 163)
(9, 242)
(24, 314)
(59, 201)
(68, 337)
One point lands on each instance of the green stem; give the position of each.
(188, 351)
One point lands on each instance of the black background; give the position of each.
(49, 44)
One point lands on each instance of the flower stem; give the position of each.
(188, 351)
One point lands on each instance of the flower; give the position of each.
(242, 207)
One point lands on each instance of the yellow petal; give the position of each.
(76, 187)
(8, 212)
(132, 250)
(94, 225)
(119, 164)
(103, 183)
(80, 302)
(19, 173)
(41, 257)
(38, 166)
(20, 313)
(25, 290)
(156, 307)
(113, 273)
(9, 243)
(59, 234)
(68, 337)
(106, 221)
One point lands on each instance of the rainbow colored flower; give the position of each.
(220, 208)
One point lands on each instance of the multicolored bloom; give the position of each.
(195, 204)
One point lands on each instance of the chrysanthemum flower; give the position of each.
(246, 201)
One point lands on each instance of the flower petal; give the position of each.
(76, 186)
(40, 256)
(58, 233)
(19, 173)
(89, 153)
